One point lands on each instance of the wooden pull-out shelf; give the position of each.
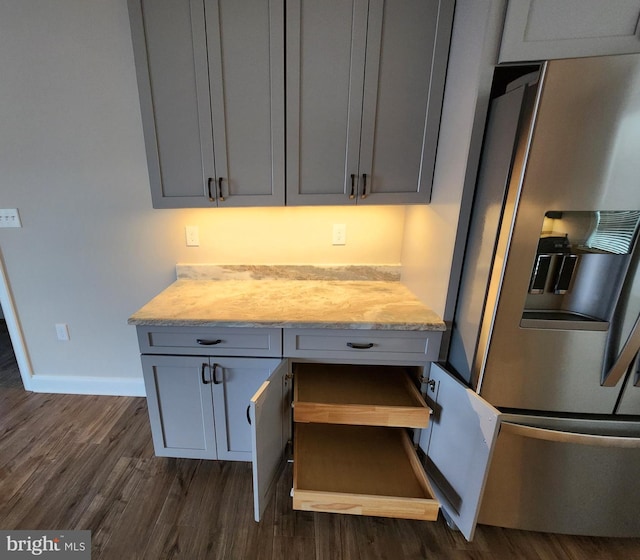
(360, 470)
(361, 395)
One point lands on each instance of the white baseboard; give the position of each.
(77, 385)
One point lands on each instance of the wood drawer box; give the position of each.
(352, 453)
(359, 345)
(210, 341)
(360, 470)
(358, 394)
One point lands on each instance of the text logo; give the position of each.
(61, 545)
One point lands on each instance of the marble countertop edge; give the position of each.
(436, 326)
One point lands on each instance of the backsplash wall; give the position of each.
(292, 235)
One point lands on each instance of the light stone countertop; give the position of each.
(336, 304)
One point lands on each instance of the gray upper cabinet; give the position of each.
(365, 80)
(211, 84)
(548, 29)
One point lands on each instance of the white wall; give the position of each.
(92, 250)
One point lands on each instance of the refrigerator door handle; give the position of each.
(625, 358)
(547, 434)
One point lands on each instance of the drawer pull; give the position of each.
(352, 194)
(364, 186)
(248, 415)
(215, 368)
(360, 345)
(204, 342)
(204, 381)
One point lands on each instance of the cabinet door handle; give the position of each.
(215, 380)
(364, 185)
(352, 194)
(209, 181)
(204, 381)
(220, 197)
(248, 415)
(360, 345)
(205, 342)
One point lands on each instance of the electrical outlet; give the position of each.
(193, 239)
(339, 234)
(62, 330)
(9, 217)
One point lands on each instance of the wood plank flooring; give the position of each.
(86, 462)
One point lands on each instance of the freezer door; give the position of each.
(458, 445)
(562, 475)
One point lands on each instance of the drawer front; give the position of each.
(365, 346)
(210, 341)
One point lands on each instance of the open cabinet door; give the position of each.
(458, 444)
(268, 442)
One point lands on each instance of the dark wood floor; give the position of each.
(86, 462)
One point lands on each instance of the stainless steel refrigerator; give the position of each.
(547, 324)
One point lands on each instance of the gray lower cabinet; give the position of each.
(365, 80)
(548, 29)
(199, 406)
(357, 410)
(211, 84)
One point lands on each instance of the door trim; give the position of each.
(15, 330)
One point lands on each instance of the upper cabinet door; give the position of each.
(548, 29)
(365, 80)
(211, 82)
(170, 50)
(245, 44)
(325, 58)
(406, 60)
(459, 444)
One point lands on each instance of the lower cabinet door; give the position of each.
(459, 445)
(269, 415)
(180, 406)
(234, 381)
